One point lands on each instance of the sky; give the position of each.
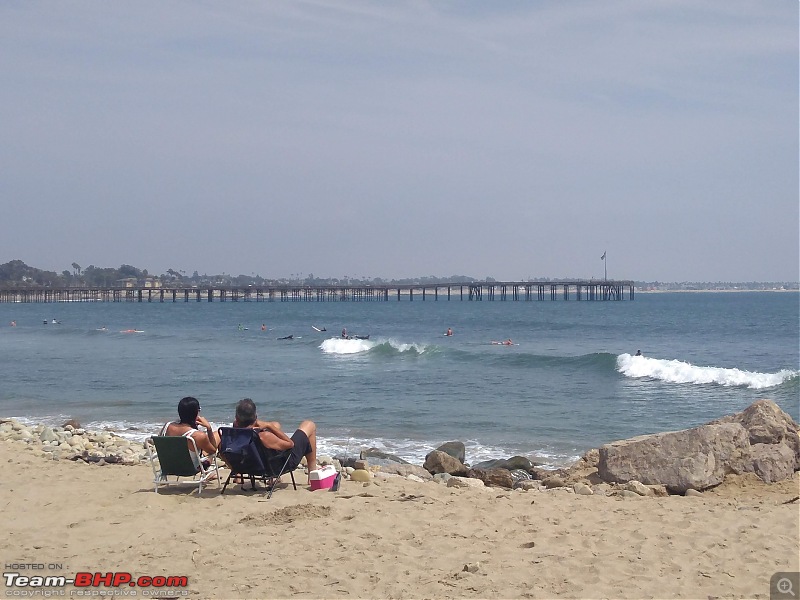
(514, 140)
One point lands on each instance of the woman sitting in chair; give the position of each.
(189, 413)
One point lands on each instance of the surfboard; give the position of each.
(317, 328)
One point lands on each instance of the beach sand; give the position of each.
(394, 538)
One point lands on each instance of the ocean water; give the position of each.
(569, 382)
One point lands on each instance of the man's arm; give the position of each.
(273, 437)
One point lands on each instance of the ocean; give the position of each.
(570, 381)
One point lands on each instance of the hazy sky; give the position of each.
(399, 139)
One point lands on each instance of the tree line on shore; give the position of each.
(16, 274)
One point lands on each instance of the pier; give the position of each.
(588, 290)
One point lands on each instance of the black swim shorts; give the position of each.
(301, 447)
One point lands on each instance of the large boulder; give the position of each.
(767, 424)
(493, 477)
(441, 462)
(695, 458)
(454, 449)
(761, 439)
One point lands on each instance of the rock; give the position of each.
(48, 435)
(694, 458)
(406, 470)
(361, 464)
(627, 494)
(374, 453)
(638, 487)
(762, 439)
(553, 482)
(582, 489)
(416, 478)
(464, 482)
(772, 462)
(324, 459)
(454, 449)
(693, 493)
(442, 477)
(528, 484)
(71, 423)
(515, 462)
(766, 423)
(543, 473)
(441, 462)
(493, 477)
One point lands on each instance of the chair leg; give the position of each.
(293, 482)
(226, 482)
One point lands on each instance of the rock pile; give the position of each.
(74, 443)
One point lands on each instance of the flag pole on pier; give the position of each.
(605, 266)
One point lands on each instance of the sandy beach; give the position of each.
(392, 537)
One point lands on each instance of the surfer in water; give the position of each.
(449, 332)
(638, 353)
(344, 333)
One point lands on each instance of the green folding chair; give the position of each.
(173, 465)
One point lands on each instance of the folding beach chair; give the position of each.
(170, 458)
(246, 456)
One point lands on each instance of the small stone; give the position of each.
(638, 488)
(693, 493)
(582, 489)
(553, 482)
(628, 494)
(463, 482)
(361, 465)
(527, 484)
(472, 567)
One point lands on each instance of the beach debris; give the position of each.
(472, 567)
(583, 489)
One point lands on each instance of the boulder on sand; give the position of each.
(761, 439)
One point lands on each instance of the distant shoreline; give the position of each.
(641, 291)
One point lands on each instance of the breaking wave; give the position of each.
(676, 371)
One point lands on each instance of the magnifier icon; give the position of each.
(784, 586)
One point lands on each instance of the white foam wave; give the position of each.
(342, 346)
(676, 371)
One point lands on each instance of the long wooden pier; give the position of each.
(592, 290)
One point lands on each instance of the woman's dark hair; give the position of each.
(188, 408)
(245, 413)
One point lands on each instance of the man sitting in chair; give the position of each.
(302, 443)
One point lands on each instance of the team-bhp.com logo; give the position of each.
(90, 584)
